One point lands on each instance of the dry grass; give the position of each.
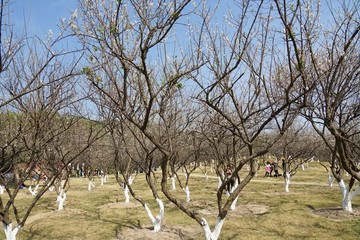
(264, 211)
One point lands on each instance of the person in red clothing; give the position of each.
(267, 169)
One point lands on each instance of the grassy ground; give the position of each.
(264, 211)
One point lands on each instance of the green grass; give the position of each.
(101, 213)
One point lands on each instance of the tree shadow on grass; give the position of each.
(134, 231)
(335, 213)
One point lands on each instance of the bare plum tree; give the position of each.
(38, 106)
(250, 86)
(333, 106)
(133, 68)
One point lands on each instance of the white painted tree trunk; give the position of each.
(2, 189)
(184, 172)
(106, 177)
(126, 193)
(219, 183)
(212, 235)
(347, 196)
(131, 180)
(187, 192)
(206, 176)
(303, 167)
(287, 181)
(330, 180)
(11, 233)
(346, 201)
(102, 180)
(50, 187)
(173, 183)
(61, 199)
(91, 185)
(126, 189)
(35, 190)
(156, 221)
(233, 204)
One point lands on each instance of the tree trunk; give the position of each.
(126, 193)
(233, 204)
(287, 181)
(219, 182)
(347, 196)
(35, 190)
(102, 180)
(91, 185)
(173, 183)
(346, 200)
(330, 180)
(106, 176)
(11, 233)
(156, 221)
(213, 235)
(187, 192)
(61, 199)
(126, 189)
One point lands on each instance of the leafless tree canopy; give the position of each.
(179, 83)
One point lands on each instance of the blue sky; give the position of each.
(40, 15)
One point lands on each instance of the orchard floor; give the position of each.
(170, 232)
(173, 233)
(140, 231)
(311, 210)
